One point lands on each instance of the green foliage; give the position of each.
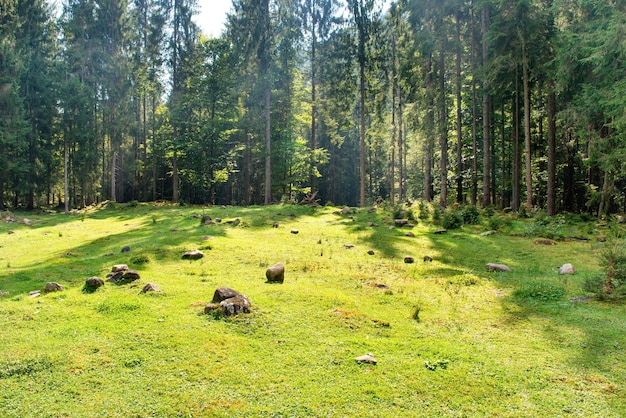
(424, 210)
(613, 261)
(452, 218)
(540, 290)
(546, 227)
(471, 215)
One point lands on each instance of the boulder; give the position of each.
(115, 277)
(401, 222)
(150, 287)
(367, 359)
(223, 293)
(235, 305)
(371, 252)
(428, 258)
(206, 220)
(276, 273)
(131, 276)
(567, 269)
(544, 241)
(125, 249)
(410, 234)
(487, 233)
(94, 282)
(409, 260)
(193, 255)
(294, 231)
(346, 210)
(498, 267)
(53, 287)
(348, 246)
(119, 267)
(27, 222)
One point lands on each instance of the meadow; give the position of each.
(451, 339)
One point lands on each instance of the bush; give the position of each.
(540, 290)
(424, 210)
(471, 215)
(452, 219)
(613, 261)
(496, 222)
(436, 216)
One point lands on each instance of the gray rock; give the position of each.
(294, 231)
(125, 249)
(53, 287)
(367, 358)
(94, 282)
(409, 260)
(276, 273)
(150, 287)
(428, 258)
(487, 233)
(400, 222)
(115, 277)
(567, 269)
(193, 255)
(410, 234)
(119, 267)
(498, 267)
(34, 293)
(348, 245)
(235, 305)
(131, 276)
(371, 252)
(346, 210)
(224, 293)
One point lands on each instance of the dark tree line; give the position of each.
(515, 104)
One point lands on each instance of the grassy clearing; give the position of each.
(483, 344)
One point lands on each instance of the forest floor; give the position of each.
(450, 338)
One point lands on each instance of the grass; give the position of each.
(483, 344)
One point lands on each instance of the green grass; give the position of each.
(485, 344)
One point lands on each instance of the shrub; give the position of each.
(424, 210)
(471, 215)
(436, 216)
(496, 222)
(451, 219)
(613, 261)
(540, 290)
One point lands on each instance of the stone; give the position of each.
(115, 277)
(53, 287)
(150, 287)
(11, 232)
(621, 219)
(440, 231)
(601, 238)
(276, 273)
(498, 267)
(409, 260)
(371, 252)
(27, 222)
(371, 210)
(224, 293)
(348, 246)
(125, 249)
(193, 255)
(275, 225)
(119, 267)
(294, 231)
(346, 210)
(410, 234)
(131, 276)
(400, 222)
(34, 293)
(235, 305)
(206, 219)
(372, 224)
(487, 233)
(567, 269)
(428, 258)
(367, 359)
(218, 220)
(211, 307)
(544, 241)
(110, 253)
(206, 237)
(2, 293)
(94, 282)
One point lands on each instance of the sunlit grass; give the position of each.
(476, 350)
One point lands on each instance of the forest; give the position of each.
(517, 105)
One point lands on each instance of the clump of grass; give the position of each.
(540, 290)
(140, 259)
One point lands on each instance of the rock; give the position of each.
(236, 222)
(409, 260)
(294, 231)
(110, 253)
(373, 224)
(174, 230)
(150, 287)
(34, 293)
(276, 273)
(235, 305)
(621, 220)
(119, 267)
(400, 222)
(428, 258)
(193, 255)
(206, 237)
(115, 277)
(371, 210)
(601, 238)
(567, 269)
(11, 232)
(223, 293)
(498, 267)
(27, 222)
(346, 210)
(131, 276)
(211, 307)
(53, 287)
(440, 231)
(2, 293)
(94, 282)
(487, 233)
(218, 220)
(206, 219)
(348, 246)
(125, 249)
(371, 252)
(410, 234)
(275, 225)
(368, 359)
(544, 241)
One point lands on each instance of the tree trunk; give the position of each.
(113, 172)
(175, 193)
(486, 124)
(551, 204)
(313, 107)
(268, 145)
(428, 152)
(66, 183)
(516, 154)
(362, 171)
(527, 153)
(459, 135)
(401, 158)
(443, 131)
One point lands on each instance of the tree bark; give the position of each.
(459, 135)
(486, 141)
(443, 131)
(551, 198)
(527, 150)
(268, 145)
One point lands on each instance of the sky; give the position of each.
(212, 16)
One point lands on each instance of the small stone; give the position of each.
(174, 230)
(11, 232)
(119, 267)
(110, 253)
(150, 287)
(440, 231)
(368, 359)
(428, 258)
(275, 225)
(410, 234)
(498, 267)
(372, 224)
(218, 220)
(294, 231)
(621, 220)
(487, 233)
(206, 237)
(544, 241)
(211, 307)
(409, 260)
(346, 210)
(94, 282)
(2, 293)
(53, 287)
(601, 238)
(371, 210)
(115, 277)
(371, 252)
(125, 249)
(567, 269)
(276, 273)
(27, 222)
(400, 222)
(34, 293)
(223, 293)
(193, 255)
(348, 246)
